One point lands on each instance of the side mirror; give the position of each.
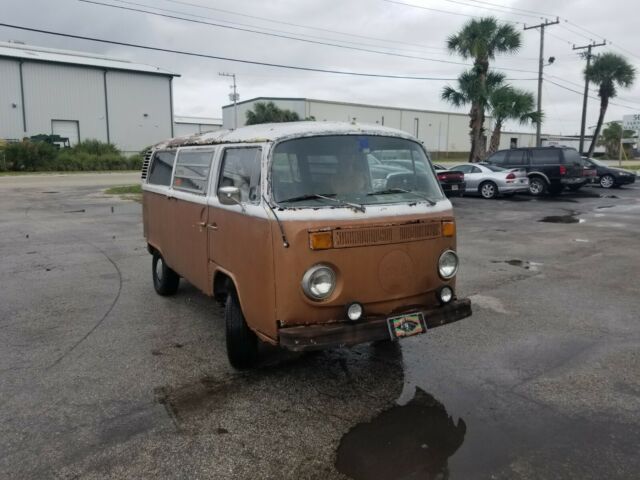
(229, 196)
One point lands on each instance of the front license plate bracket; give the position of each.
(406, 325)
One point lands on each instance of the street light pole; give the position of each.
(540, 69)
(234, 96)
(586, 91)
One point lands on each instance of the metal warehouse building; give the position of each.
(83, 96)
(440, 131)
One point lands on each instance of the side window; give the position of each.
(192, 170)
(517, 157)
(241, 168)
(545, 156)
(498, 158)
(475, 170)
(161, 168)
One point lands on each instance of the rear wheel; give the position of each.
(165, 280)
(607, 181)
(242, 343)
(488, 190)
(537, 186)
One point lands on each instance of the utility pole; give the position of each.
(586, 90)
(234, 97)
(541, 26)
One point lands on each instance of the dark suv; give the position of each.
(549, 169)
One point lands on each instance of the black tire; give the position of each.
(607, 181)
(538, 186)
(242, 343)
(488, 190)
(165, 280)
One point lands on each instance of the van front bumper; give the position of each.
(368, 329)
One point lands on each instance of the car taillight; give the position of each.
(563, 170)
(511, 176)
(441, 177)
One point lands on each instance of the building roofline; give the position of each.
(336, 102)
(36, 54)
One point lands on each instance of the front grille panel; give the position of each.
(360, 237)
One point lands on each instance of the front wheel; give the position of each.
(607, 181)
(242, 343)
(165, 280)
(489, 190)
(537, 186)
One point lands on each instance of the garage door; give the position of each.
(66, 128)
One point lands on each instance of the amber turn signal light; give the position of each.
(448, 228)
(321, 240)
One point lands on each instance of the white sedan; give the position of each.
(491, 181)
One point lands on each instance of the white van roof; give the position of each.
(272, 132)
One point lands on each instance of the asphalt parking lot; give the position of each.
(102, 378)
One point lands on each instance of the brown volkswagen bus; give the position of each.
(314, 234)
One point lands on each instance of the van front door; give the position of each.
(187, 253)
(240, 237)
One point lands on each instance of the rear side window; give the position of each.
(161, 168)
(517, 157)
(498, 158)
(572, 156)
(192, 170)
(547, 156)
(241, 168)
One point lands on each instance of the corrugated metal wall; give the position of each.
(139, 109)
(62, 92)
(10, 100)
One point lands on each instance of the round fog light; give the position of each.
(354, 311)
(446, 294)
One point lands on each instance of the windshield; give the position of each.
(596, 162)
(348, 170)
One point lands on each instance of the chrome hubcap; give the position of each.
(488, 190)
(159, 269)
(606, 182)
(535, 187)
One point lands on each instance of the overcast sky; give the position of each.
(367, 24)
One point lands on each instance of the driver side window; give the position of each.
(241, 168)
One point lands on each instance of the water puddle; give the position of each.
(516, 262)
(410, 441)
(571, 218)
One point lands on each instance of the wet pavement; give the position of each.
(102, 378)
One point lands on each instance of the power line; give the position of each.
(255, 17)
(227, 59)
(289, 37)
(457, 2)
(420, 7)
(514, 8)
(590, 96)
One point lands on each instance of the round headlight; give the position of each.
(446, 294)
(318, 282)
(354, 311)
(448, 264)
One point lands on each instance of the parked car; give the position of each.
(589, 171)
(490, 181)
(451, 181)
(550, 169)
(281, 223)
(380, 171)
(610, 177)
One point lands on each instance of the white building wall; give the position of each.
(61, 92)
(522, 139)
(10, 100)
(139, 109)
(181, 128)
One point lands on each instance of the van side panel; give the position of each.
(156, 221)
(241, 244)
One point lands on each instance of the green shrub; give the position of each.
(96, 147)
(30, 156)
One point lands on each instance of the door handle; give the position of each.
(202, 224)
(212, 226)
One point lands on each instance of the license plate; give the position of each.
(406, 325)
(454, 187)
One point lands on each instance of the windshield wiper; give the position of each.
(329, 196)
(389, 191)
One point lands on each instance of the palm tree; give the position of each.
(608, 71)
(509, 103)
(269, 112)
(481, 40)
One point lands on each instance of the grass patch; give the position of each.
(62, 172)
(125, 190)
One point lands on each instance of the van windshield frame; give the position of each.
(344, 170)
